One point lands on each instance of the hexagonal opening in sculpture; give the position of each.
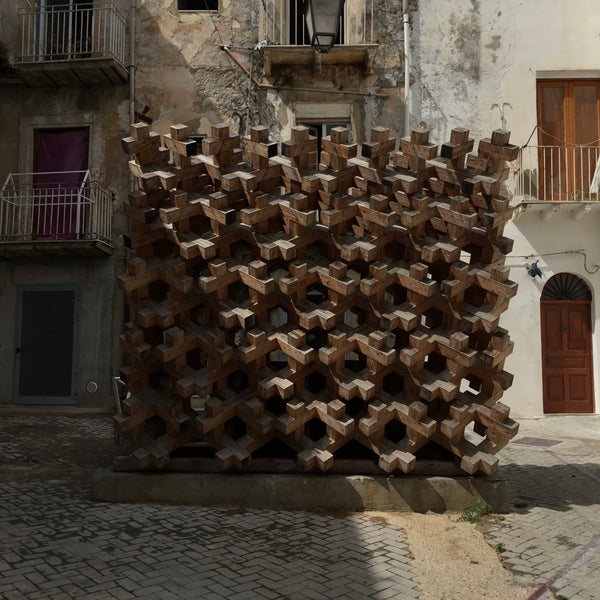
(356, 407)
(435, 362)
(315, 429)
(276, 405)
(235, 428)
(392, 384)
(355, 317)
(316, 294)
(394, 431)
(237, 381)
(315, 382)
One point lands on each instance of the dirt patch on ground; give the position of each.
(453, 561)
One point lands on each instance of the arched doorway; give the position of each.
(565, 308)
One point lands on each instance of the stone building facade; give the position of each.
(480, 65)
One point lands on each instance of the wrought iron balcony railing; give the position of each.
(555, 173)
(72, 31)
(282, 23)
(54, 207)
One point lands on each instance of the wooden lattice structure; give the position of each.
(280, 310)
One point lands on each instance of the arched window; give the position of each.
(566, 286)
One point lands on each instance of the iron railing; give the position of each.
(555, 173)
(69, 31)
(54, 207)
(282, 23)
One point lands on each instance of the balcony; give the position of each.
(282, 26)
(78, 42)
(556, 178)
(54, 213)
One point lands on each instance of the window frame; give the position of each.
(197, 9)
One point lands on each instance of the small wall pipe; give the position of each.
(407, 90)
(131, 66)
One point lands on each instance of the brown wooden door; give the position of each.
(569, 137)
(567, 357)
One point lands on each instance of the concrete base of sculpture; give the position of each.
(312, 492)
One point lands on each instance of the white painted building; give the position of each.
(531, 67)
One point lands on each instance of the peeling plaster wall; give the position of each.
(472, 54)
(184, 75)
(182, 72)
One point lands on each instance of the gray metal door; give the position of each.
(47, 324)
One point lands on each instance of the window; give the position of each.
(198, 5)
(568, 136)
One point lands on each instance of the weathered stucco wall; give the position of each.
(472, 54)
(184, 74)
(105, 110)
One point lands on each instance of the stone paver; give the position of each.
(552, 539)
(55, 543)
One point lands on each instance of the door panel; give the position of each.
(46, 345)
(567, 357)
(578, 387)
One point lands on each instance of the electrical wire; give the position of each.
(581, 252)
(560, 141)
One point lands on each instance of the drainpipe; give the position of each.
(132, 61)
(407, 91)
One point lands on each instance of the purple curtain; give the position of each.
(58, 206)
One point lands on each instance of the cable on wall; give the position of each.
(581, 252)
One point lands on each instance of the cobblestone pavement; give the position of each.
(552, 537)
(56, 544)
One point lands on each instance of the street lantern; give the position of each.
(323, 22)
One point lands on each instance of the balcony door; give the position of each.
(60, 167)
(47, 330)
(65, 29)
(569, 138)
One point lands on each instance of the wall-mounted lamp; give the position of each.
(323, 22)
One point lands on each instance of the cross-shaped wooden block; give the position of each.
(377, 151)
(222, 147)
(416, 150)
(301, 149)
(258, 147)
(457, 148)
(335, 149)
(145, 146)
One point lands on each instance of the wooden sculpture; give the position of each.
(330, 312)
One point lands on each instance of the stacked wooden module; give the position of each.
(314, 307)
